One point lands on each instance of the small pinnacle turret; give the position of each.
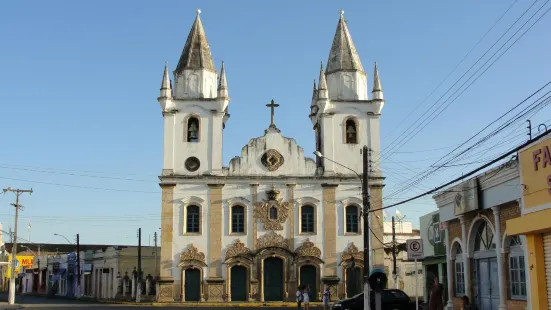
(315, 91)
(377, 88)
(322, 89)
(222, 83)
(166, 84)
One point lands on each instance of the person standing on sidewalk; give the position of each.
(326, 298)
(306, 297)
(299, 297)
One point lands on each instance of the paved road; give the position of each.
(58, 303)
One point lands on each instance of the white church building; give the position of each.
(273, 219)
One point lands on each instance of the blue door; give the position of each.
(273, 279)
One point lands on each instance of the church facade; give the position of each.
(273, 219)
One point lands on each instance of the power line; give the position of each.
(395, 145)
(468, 174)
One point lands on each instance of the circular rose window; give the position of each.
(192, 164)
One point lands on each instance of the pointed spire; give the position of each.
(315, 91)
(377, 88)
(166, 84)
(322, 88)
(222, 83)
(196, 53)
(343, 55)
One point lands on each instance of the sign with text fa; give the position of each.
(415, 248)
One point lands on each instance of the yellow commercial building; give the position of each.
(535, 219)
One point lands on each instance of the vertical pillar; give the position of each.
(254, 271)
(215, 282)
(376, 224)
(466, 257)
(291, 238)
(330, 278)
(449, 305)
(166, 281)
(500, 275)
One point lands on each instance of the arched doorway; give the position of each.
(238, 285)
(307, 276)
(273, 277)
(484, 266)
(354, 284)
(192, 284)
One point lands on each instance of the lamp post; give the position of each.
(366, 207)
(63, 238)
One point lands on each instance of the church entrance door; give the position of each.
(238, 283)
(308, 277)
(354, 281)
(192, 285)
(273, 279)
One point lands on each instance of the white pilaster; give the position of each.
(449, 305)
(466, 261)
(500, 275)
(168, 155)
(215, 144)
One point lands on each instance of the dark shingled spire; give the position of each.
(343, 55)
(196, 53)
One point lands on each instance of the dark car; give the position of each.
(391, 299)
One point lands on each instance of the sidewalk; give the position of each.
(4, 306)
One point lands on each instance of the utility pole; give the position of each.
(78, 265)
(139, 286)
(367, 206)
(155, 239)
(394, 274)
(18, 192)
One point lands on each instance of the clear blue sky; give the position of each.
(79, 82)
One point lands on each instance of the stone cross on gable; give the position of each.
(272, 106)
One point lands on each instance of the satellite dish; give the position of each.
(399, 215)
(385, 215)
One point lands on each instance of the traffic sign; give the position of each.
(415, 248)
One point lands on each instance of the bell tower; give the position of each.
(344, 118)
(195, 110)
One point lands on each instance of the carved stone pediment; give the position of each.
(236, 249)
(271, 239)
(307, 248)
(192, 256)
(352, 251)
(272, 212)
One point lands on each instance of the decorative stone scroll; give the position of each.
(352, 251)
(272, 212)
(236, 249)
(192, 256)
(271, 239)
(307, 248)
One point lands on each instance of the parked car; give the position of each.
(391, 299)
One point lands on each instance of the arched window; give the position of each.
(484, 239)
(352, 219)
(459, 271)
(351, 132)
(237, 219)
(192, 129)
(307, 215)
(273, 213)
(193, 219)
(517, 269)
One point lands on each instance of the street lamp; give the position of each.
(64, 238)
(366, 206)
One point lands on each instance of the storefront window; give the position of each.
(517, 271)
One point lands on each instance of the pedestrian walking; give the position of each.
(435, 300)
(467, 304)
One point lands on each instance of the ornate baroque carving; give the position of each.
(307, 248)
(236, 249)
(271, 239)
(272, 160)
(263, 211)
(352, 251)
(192, 255)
